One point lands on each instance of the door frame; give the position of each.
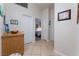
(35, 25)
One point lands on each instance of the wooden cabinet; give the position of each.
(12, 43)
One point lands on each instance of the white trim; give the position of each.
(47, 40)
(33, 28)
(59, 53)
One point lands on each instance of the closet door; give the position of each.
(28, 28)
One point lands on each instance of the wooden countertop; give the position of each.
(10, 34)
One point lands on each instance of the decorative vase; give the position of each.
(7, 28)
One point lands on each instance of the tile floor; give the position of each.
(40, 48)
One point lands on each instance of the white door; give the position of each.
(51, 30)
(28, 28)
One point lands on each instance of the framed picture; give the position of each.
(14, 22)
(64, 15)
(78, 14)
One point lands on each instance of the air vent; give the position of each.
(23, 4)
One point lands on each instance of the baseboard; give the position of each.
(46, 40)
(33, 41)
(59, 53)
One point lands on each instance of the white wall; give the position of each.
(44, 23)
(51, 27)
(13, 11)
(77, 36)
(65, 31)
(78, 39)
(48, 31)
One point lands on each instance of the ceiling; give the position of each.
(23, 4)
(39, 5)
(45, 5)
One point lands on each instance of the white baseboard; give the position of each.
(59, 53)
(33, 41)
(47, 40)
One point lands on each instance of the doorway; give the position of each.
(38, 29)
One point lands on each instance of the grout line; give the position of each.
(39, 44)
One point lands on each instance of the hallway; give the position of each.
(40, 48)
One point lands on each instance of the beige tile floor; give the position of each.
(40, 48)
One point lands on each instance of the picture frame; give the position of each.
(14, 22)
(64, 15)
(78, 14)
